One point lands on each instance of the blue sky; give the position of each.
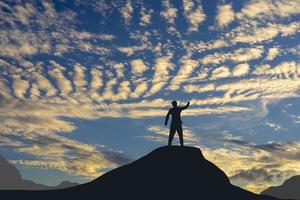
(85, 85)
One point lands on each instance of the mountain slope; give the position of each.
(172, 173)
(166, 173)
(10, 178)
(290, 189)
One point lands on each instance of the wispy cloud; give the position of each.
(194, 14)
(145, 16)
(64, 84)
(161, 74)
(126, 12)
(272, 53)
(239, 55)
(267, 164)
(170, 12)
(225, 15)
(20, 87)
(188, 66)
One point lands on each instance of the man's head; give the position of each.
(174, 104)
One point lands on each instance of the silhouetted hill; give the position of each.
(64, 184)
(290, 189)
(166, 173)
(10, 178)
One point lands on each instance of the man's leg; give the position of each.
(179, 131)
(172, 133)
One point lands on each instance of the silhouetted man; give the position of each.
(176, 121)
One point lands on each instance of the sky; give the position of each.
(85, 85)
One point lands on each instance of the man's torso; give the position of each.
(175, 112)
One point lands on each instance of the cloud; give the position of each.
(142, 113)
(193, 13)
(215, 44)
(123, 91)
(20, 87)
(96, 81)
(170, 13)
(239, 55)
(240, 69)
(262, 88)
(20, 40)
(138, 66)
(108, 92)
(29, 43)
(262, 69)
(127, 11)
(64, 84)
(264, 166)
(140, 89)
(272, 53)
(220, 72)
(143, 104)
(188, 66)
(79, 77)
(262, 174)
(217, 110)
(24, 13)
(199, 88)
(267, 88)
(49, 9)
(6, 142)
(268, 8)
(161, 74)
(34, 123)
(89, 166)
(51, 151)
(145, 16)
(274, 126)
(260, 34)
(119, 69)
(286, 69)
(44, 84)
(34, 91)
(4, 91)
(261, 21)
(225, 15)
(255, 8)
(131, 49)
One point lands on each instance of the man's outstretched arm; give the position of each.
(167, 118)
(185, 107)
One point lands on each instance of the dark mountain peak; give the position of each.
(168, 155)
(288, 190)
(177, 152)
(170, 172)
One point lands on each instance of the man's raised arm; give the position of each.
(167, 118)
(185, 107)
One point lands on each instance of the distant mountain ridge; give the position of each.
(11, 179)
(290, 189)
(166, 173)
